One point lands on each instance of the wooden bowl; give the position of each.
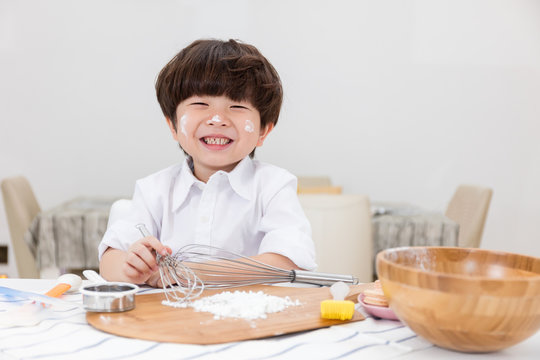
(468, 300)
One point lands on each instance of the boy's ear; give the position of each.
(172, 128)
(264, 133)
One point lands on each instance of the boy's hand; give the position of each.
(141, 260)
(155, 280)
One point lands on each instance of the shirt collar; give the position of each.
(183, 184)
(240, 179)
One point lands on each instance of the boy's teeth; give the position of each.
(216, 141)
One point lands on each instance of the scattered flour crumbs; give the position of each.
(239, 304)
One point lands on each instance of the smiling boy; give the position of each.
(221, 99)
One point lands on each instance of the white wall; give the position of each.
(401, 100)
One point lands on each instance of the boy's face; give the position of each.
(217, 132)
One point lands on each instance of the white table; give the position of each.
(66, 335)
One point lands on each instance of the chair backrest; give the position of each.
(317, 185)
(21, 208)
(469, 207)
(320, 190)
(341, 231)
(314, 181)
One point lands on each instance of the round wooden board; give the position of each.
(151, 320)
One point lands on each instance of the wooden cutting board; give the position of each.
(151, 320)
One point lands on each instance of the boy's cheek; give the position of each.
(186, 125)
(183, 124)
(249, 127)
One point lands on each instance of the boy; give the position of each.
(221, 100)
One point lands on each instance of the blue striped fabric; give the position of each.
(64, 334)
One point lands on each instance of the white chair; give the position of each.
(469, 207)
(341, 231)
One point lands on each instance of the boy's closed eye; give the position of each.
(198, 103)
(242, 107)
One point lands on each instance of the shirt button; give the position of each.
(204, 219)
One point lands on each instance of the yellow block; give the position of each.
(337, 309)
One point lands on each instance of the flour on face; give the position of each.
(249, 126)
(214, 119)
(183, 121)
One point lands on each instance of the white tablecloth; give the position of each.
(65, 334)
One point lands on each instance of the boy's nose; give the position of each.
(217, 120)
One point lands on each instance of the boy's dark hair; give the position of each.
(215, 68)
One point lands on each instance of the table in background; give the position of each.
(67, 236)
(65, 334)
(398, 224)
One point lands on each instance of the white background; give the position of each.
(400, 100)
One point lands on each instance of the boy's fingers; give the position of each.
(150, 259)
(155, 244)
(141, 259)
(132, 273)
(154, 280)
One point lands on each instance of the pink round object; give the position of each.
(382, 312)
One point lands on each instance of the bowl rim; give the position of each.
(472, 277)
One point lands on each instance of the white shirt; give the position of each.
(251, 210)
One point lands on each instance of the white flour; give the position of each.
(239, 304)
(250, 127)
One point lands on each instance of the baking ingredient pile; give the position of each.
(239, 304)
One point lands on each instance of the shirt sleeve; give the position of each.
(287, 230)
(123, 232)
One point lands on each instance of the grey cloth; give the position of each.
(396, 225)
(67, 236)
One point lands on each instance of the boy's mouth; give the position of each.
(211, 140)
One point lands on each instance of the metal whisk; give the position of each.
(180, 283)
(195, 267)
(219, 268)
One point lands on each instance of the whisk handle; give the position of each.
(144, 231)
(324, 279)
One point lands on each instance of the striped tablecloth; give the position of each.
(65, 334)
